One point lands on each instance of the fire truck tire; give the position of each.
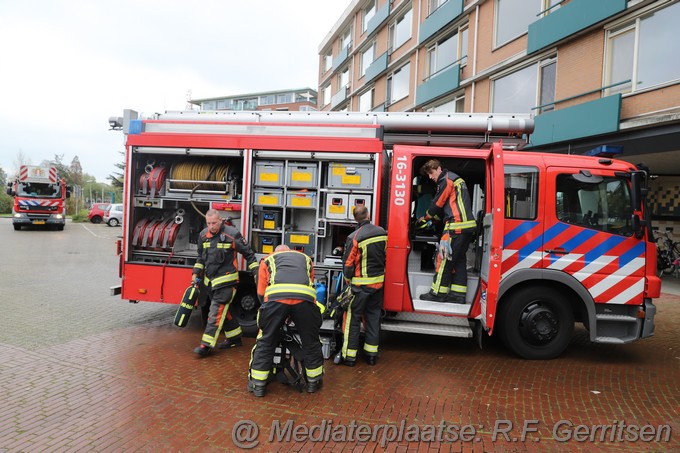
(244, 309)
(113, 222)
(60, 227)
(17, 227)
(536, 323)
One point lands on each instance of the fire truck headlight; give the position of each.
(58, 216)
(19, 215)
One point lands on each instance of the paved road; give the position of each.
(83, 371)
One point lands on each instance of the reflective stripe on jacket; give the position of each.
(217, 261)
(452, 203)
(364, 258)
(287, 277)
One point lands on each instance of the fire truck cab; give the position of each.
(560, 239)
(39, 197)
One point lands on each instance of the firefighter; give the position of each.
(364, 269)
(217, 266)
(451, 203)
(286, 288)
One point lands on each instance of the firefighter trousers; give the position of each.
(367, 304)
(307, 318)
(451, 275)
(219, 317)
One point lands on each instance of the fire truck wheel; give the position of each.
(244, 309)
(17, 227)
(536, 323)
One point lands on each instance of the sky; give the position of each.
(66, 66)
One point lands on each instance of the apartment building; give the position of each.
(595, 73)
(301, 99)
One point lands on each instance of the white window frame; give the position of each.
(434, 5)
(456, 100)
(619, 28)
(394, 28)
(361, 97)
(432, 51)
(364, 54)
(538, 64)
(327, 60)
(326, 95)
(367, 14)
(543, 9)
(390, 84)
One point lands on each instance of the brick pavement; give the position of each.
(104, 375)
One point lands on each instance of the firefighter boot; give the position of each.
(371, 359)
(455, 298)
(338, 360)
(203, 350)
(432, 297)
(314, 385)
(230, 343)
(258, 388)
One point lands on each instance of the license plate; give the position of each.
(38, 222)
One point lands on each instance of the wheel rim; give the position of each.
(245, 311)
(539, 324)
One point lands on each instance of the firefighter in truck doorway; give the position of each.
(452, 205)
(364, 269)
(286, 288)
(217, 266)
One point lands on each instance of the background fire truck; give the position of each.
(561, 239)
(39, 197)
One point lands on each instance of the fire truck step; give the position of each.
(427, 328)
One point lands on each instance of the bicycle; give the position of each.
(667, 256)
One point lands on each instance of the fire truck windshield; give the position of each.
(38, 190)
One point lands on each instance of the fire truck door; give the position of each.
(493, 223)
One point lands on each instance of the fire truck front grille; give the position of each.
(38, 216)
(39, 208)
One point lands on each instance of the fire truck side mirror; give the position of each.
(68, 191)
(10, 192)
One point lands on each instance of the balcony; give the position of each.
(569, 19)
(341, 57)
(340, 96)
(380, 16)
(439, 84)
(597, 117)
(440, 18)
(376, 68)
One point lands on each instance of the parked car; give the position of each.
(96, 213)
(113, 216)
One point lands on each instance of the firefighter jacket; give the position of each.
(364, 258)
(451, 203)
(286, 277)
(217, 261)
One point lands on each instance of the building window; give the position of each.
(366, 101)
(267, 99)
(520, 91)
(450, 105)
(548, 77)
(222, 104)
(326, 95)
(642, 51)
(327, 61)
(435, 4)
(285, 98)
(400, 30)
(513, 18)
(343, 79)
(448, 51)
(521, 192)
(397, 84)
(209, 105)
(367, 57)
(346, 40)
(369, 12)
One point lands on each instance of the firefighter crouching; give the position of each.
(286, 288)
(217, 265)
(363, 268)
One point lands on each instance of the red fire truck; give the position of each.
(39, 197)
(561, 238)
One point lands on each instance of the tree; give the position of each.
(19, 160)
(76, 171)
(5, 200)
(117, 178)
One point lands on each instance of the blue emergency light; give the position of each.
(605, 151)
